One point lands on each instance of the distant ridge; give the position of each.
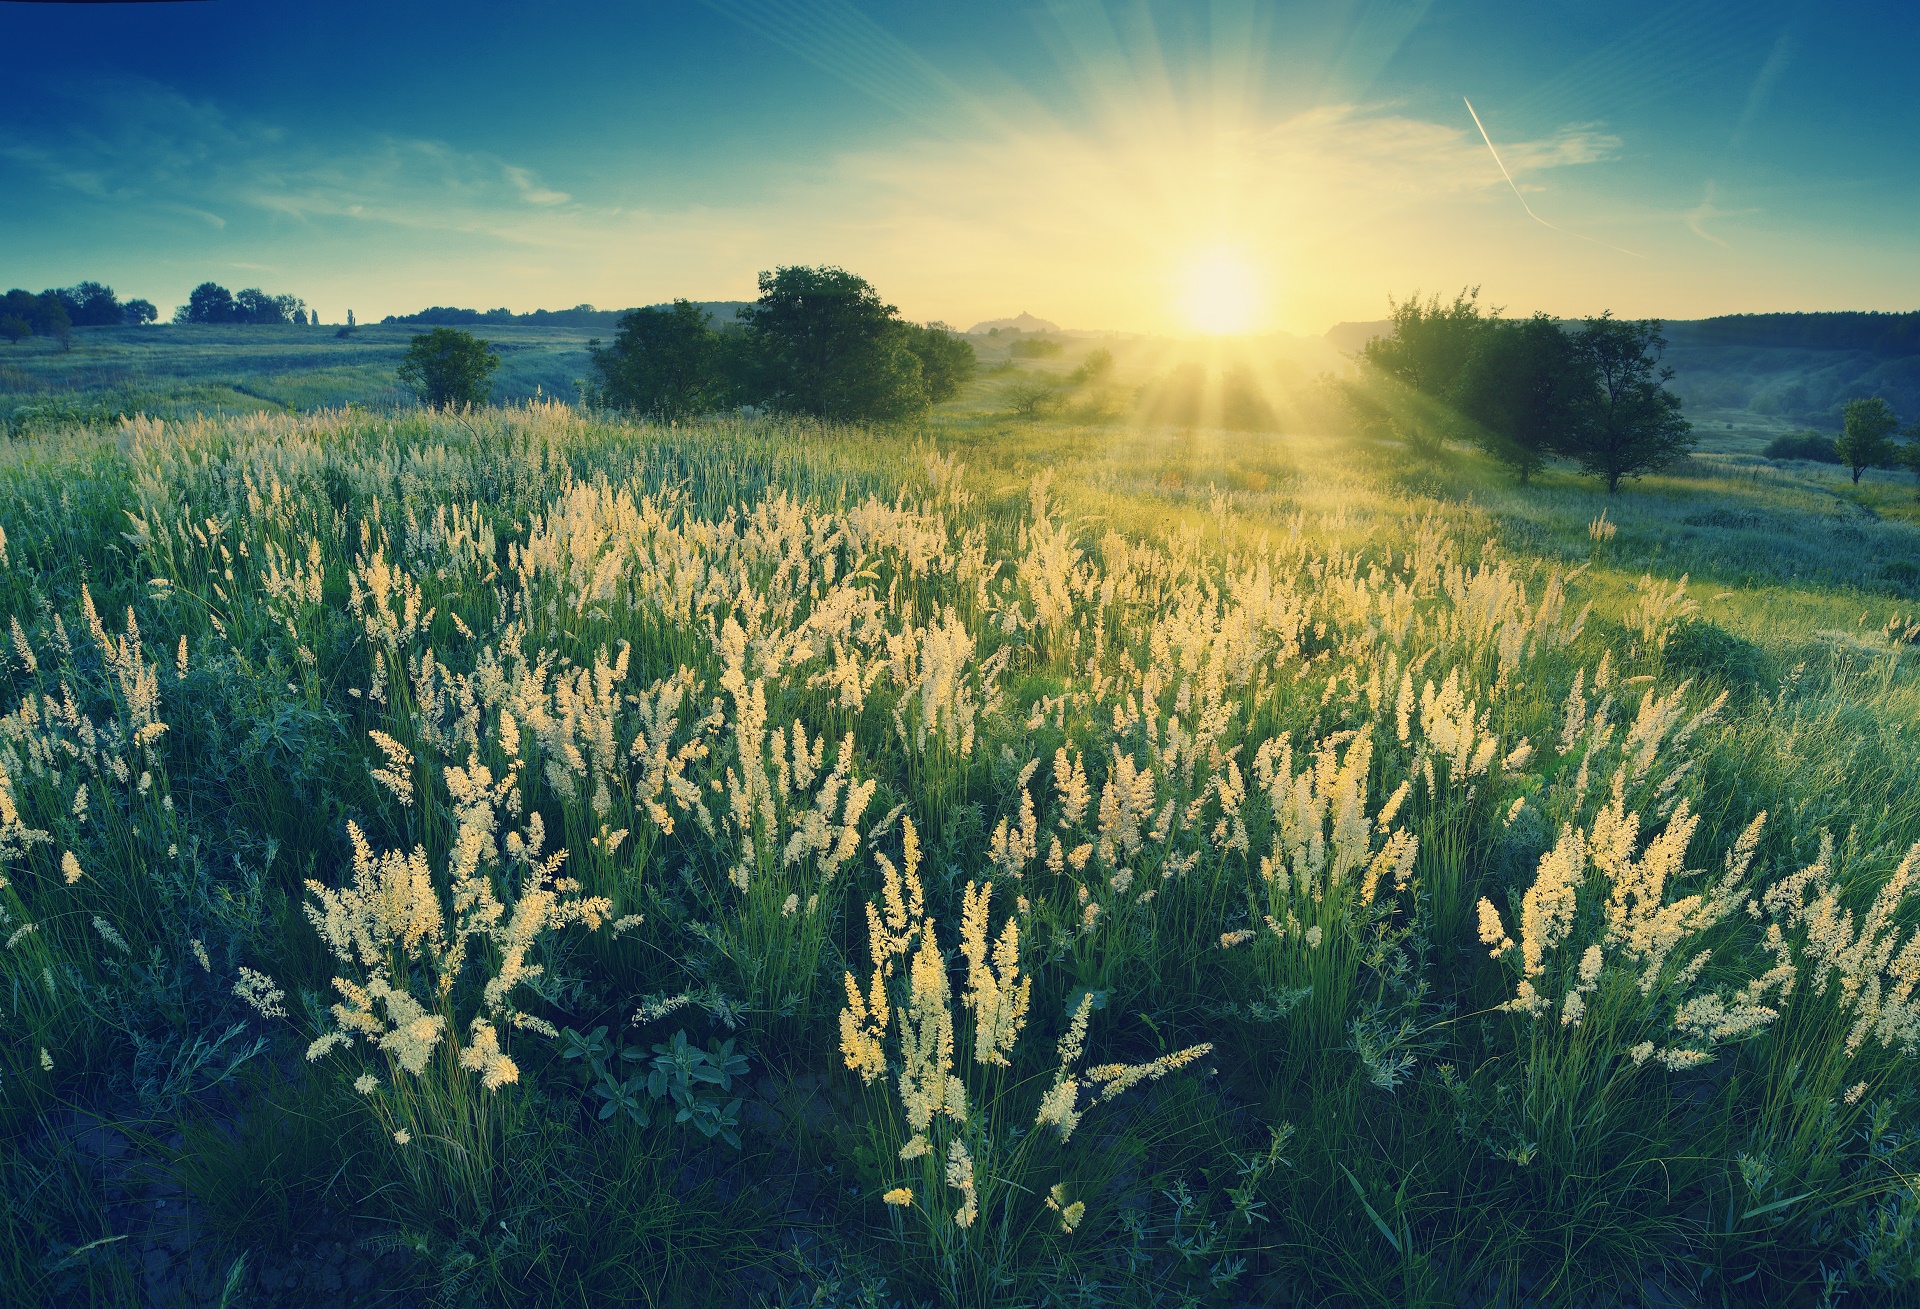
(1026, 322)
(1347, 338)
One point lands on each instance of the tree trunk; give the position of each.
(1613, 483)
(1856, 476)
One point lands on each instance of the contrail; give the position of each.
(1523, 199)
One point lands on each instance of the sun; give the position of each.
(1222, 292)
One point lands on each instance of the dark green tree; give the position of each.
(14, 327)
(91, 305)
(946, 359)
(820, 341)
(666, 363)
(1525, 388)
(1866, 438)
(139, 312)
(1632, 424)
(208, 302)
(447, 367)
(50, 318)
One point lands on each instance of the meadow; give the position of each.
(526, 856)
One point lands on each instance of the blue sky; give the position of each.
(1073, 159)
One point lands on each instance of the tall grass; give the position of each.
(1121, 891)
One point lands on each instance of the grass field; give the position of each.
(526, 857)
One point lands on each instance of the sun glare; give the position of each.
(1221, 293)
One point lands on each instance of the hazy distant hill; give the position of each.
(1026, 322)
(1800, 367)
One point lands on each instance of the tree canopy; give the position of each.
(210, 302)
(1526, 389)
(447, 367)
(1866, 439)
(820, 341)
(1632, 425)
(667, 363)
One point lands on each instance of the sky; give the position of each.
(1135, 167)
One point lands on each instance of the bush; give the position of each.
(665, 362)
(449, 367)
(1811, 446)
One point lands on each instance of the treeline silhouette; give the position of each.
(1885, 334)
(57, 311)
(581, 315)
(210, 302)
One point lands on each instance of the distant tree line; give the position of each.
(58, 311)
(1884, 334)
(210, 302)
(1527, 390)
(582, 315)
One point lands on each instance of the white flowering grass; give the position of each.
(1069, 832)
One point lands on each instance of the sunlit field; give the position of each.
(524, 856)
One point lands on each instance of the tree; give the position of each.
(449, 367)
(663, 362)
(820, 341)
(1632, 423)
(14, 327)
(1525, 387)
(946, 359)
(91, 305)
(1030, 395)
(50, 318)
(1866, 439)
(255, 306)
(140, 312)
(1096, 367)
(208, 302)
(1425, 352)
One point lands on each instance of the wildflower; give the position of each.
(1314, 936)
(1492, 931)
(80, 804)
(1854, 1092)
(960, 1178)
(23, 649)
(790, 905)
(899, 1196)
(397, 776)
(111, 935)
(325, 1043)
(1070, 1216)
(483, 1055)
(365, 1083)
(996, 992)
(258, 990)
(403, 1137)
(1228, 940)
(46, 1060)
(200, 954)
(70, 867)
